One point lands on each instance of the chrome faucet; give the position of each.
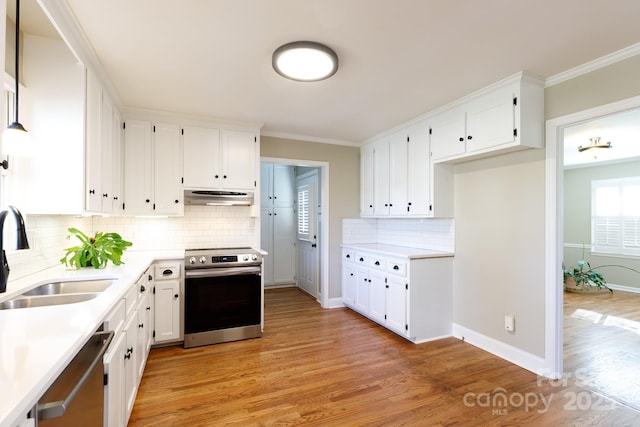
(21, 243)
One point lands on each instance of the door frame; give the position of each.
(324, 215)
(554, 225)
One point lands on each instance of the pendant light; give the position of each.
(15, 139)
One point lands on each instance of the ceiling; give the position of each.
(398, 59)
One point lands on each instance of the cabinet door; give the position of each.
(419, 171)
(201, 157)
(284, 250)
(491, 120)
(266, 243)
(398, 146)
(348, 285)
(284, 183)
(266, 184)
(93, 144)
(143, 336)
(448, 134)
(116, 190)
(114, 403)
(377, 296)
(381, 178)
(168, 193)
(106, 180)
(130, 363)
(239, 160)
(366, 180)
(167, 310)
(362, 291)
(396, 304)
(138, 167)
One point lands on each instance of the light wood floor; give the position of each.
(336, 368)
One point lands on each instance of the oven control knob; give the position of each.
(202, 259)
(254, 257)
(245, 258)
(192, 260)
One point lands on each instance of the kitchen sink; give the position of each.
(46, 300)
(70, 287)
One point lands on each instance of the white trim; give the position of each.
(624, 288)
(426, 339)
(335, 303)
(596, 64)
(308, 138)
(508, 352)
(324, 212)
(554, 216)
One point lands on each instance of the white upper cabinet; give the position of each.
(239, 155)
(366, 180)
(419, 203)
(504, 117)
(152, 172)
(398, 146)
(103, 185)
(395, 174)
(201, 150)
(219, 159)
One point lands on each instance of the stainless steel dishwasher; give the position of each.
(77, 396)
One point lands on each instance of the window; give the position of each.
(615, 216)
(303, 212)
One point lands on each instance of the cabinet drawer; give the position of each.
(167, 271)
(115, 319)
(377, 263)
(131, 300)
(362, 259)
(348, 256)
(397, 268)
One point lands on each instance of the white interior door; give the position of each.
(308, 232)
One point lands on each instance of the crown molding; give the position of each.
(596, 64)
(308, 138)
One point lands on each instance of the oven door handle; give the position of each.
(221, 272)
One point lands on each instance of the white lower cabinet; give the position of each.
(130, 363)
(131, 320)
(409, 296)
(167, 302)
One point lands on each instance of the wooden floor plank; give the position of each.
(334, 367)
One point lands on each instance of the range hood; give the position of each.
(218, 198)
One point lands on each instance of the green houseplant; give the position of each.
(95, 251)
(583, 277)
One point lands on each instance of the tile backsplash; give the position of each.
(200, 227)
(435, 234)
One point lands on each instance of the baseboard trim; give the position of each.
(507, 352)
(335, 303)
(624, 288)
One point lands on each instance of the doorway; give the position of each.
(311, 252)
(554, 226)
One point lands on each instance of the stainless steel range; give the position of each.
(223, 295)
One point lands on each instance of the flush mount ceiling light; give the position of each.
(594, 143)
(305, 61)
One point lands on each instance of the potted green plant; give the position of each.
(95, 251)
(582, 278)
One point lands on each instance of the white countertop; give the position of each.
(37, 343)
(399, 251)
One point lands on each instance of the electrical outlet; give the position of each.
(510, 322)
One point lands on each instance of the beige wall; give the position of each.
(500, 219)
(344, 188)
(577, 221)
